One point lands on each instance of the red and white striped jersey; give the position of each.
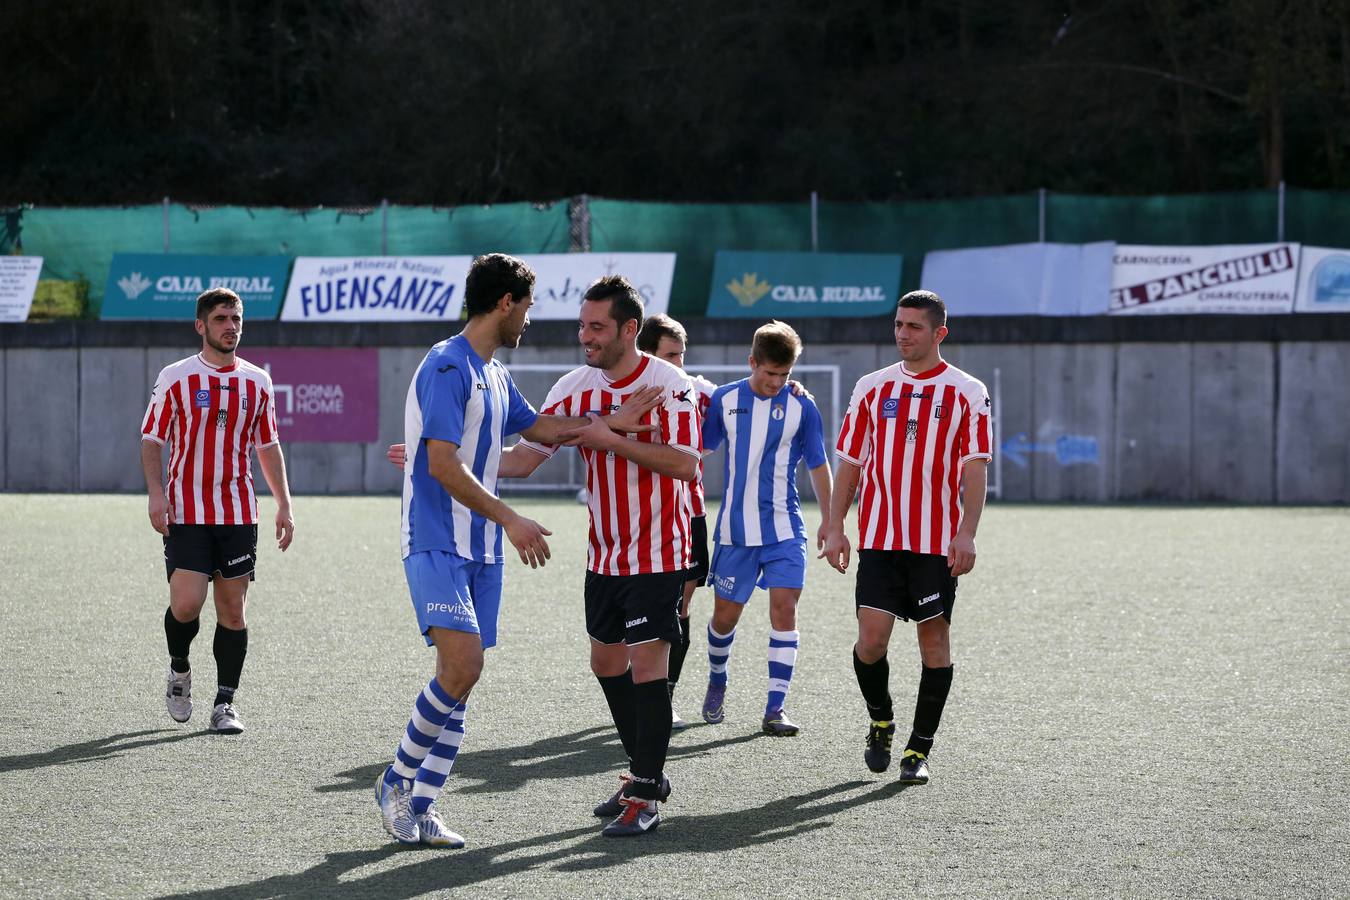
(211, 418)
(704, 389)
(639, 519)
(911, 435)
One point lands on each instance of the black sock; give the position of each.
(179, 635)
(678, 650)
(230, 647)
(933, 687)
(619, 695)
(874, 681)
(652, 713)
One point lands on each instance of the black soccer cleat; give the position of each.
(878, 752)
(607, 809)
(913, 768)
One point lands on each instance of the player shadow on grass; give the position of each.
(583, 850)
(494, 770)
(96, 750)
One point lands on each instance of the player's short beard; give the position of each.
(220, 347)
(608, 356)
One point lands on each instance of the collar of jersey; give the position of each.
(628, 379)
(923, 376)
(230, 368)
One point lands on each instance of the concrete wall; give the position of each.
(1248, 422)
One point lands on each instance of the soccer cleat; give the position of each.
(777, 724)
(638, 817)
(225, 719)
(913, 768)
(395, 801)
(676, 723)
(433, 832)
(713, 711)
(614, 805)
(878, 752)
(178, 695)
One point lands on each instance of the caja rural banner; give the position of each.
(1323, 280)
(18, 281)
(166, 285)
(431, 288)
(323, 396)
(768, 285)
(1237, 278)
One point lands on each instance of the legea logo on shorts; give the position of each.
(633, 623)
(235, 562)
(929, 599)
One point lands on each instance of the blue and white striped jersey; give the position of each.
(766, 437)
(455, 396)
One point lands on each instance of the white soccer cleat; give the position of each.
(396, 809)
(433, 832)
(178, 695)
(225, 719)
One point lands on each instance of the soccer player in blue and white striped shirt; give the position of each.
(760, 537)
(461, 405)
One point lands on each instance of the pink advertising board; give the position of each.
(323, 396)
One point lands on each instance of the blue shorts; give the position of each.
(737, 571)
(449, 591)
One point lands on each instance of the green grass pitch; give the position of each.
(1148, 702)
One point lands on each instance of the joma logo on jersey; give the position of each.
(481, 387)
(911, 430)
(739, 411)
(890, 409)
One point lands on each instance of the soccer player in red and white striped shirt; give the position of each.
(639, 536)
(665, 338)
(212, 409)
(917, 435)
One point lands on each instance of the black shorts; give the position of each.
(910, 586)
(634, 609)
(698, 546)
(230, 550)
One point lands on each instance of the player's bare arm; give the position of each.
(961, 550)
(152, 463)
(274, 470)
(823, 484)
(526, 535)
(519, 461)
(627, 419)
(836, 548)
(662, 459)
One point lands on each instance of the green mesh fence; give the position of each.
(79, 243)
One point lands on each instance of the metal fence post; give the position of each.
(1040, 226)
(166, 224)
(1279, 220)
(815, 222)
(384, 227)
(579, 224)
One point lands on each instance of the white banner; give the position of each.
(1022, 279)
(1237, 278)
(1323, 280)
(18, 281)
(564, 277)
(431, 288)
(376, 289)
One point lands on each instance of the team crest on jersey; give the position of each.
(777, 413)
(221, 417)
(201, 399)
(890, 408)
(911, 430)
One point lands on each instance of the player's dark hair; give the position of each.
(626, 301)
(209, 300)
(776, 343)
(657, 326)
(493, 275)
(930, 303)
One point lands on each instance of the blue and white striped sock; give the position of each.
(430, 712)
(782, 660)
(436, 767)
(719, 652)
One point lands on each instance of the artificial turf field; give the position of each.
(1148, 702)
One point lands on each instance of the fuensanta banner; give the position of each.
(1235, 278)
(431, 288)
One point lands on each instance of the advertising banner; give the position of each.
(376, 289)
(18, 280)
(166, 285)
(1323, 280)
(323, 396)
(769, 285)
(1022, 279)
(561, 279)
(1237, 278)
